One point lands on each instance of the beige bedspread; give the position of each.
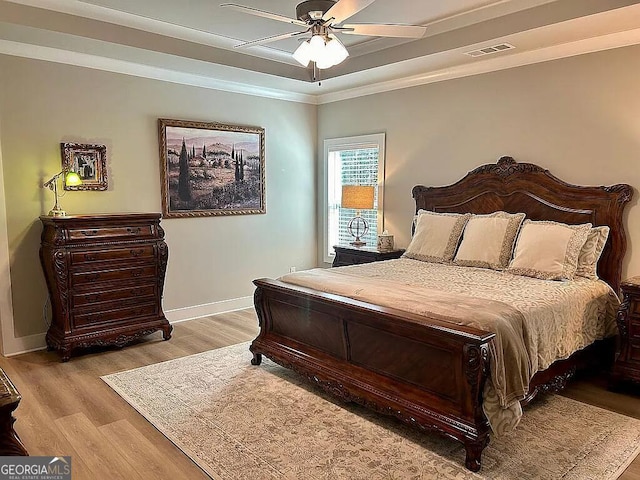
(536, 322)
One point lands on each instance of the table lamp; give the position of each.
(358, 197)
(71, 178)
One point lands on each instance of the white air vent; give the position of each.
(501, 47)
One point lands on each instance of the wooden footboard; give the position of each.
(421, 371)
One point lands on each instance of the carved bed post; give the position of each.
(258, 301)
(476, 364)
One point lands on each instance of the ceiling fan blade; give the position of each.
(382, 30)
(274, 38)
(262, 13)
(344, 9)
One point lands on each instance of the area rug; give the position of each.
(238, 421)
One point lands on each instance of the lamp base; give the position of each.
(57, 213)
(357, 226)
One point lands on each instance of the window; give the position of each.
(351, 161)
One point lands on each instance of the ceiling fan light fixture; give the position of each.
(303, 53)
(325, 51)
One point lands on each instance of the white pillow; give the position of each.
(591, 251)
(487, 240)
(436, 236)
(548, 250)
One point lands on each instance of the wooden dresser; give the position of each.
(105, 275)
(627, 365)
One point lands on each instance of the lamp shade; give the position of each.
(359, 197)
(72, 179)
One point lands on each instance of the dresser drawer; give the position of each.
(634, 308)
(110, 233)
(129, 253)
(114, 295)
(87, 319)
(127, 273)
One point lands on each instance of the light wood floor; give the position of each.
(67, 409)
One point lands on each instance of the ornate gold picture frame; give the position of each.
(89, 162)
(211, 169)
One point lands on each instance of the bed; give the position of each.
(425, 371)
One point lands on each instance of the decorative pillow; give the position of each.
(487, 240)
(591, 251)
(436, 237)
(548, 250)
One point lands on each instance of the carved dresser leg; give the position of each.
(65, 353)
(166, 332)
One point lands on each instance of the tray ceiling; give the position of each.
(198, 37)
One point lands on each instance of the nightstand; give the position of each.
(627, 363)
(348, 255)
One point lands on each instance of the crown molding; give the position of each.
(56, 55)
(518, 59)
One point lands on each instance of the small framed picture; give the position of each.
(89, 162)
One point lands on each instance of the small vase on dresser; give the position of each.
(105, 276)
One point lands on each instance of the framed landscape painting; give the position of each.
(211, 169)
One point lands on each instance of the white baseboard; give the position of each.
(178, 315)
(32, 343)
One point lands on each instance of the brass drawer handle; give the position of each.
(134, 231)
(93, 298)
(93, 276)
(137, 273)
(89, 257)
(136, 253)
(89, 233)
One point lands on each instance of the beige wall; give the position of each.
(578, 117)
(210, 259)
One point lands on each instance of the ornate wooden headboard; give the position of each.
(524, 187)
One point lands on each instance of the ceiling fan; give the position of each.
(323, 19)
